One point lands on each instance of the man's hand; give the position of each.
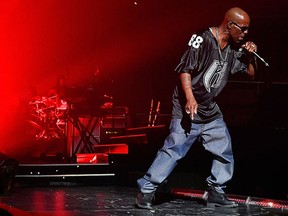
(191, 107)
(250, 47)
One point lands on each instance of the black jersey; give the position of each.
(209, 68)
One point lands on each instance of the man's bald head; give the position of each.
(236, 14)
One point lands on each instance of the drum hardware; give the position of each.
(46, 118)
(52, 117)
(85, 131)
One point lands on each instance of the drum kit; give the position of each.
(47, 117)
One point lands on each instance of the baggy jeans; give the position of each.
(215, 138)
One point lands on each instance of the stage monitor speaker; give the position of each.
(8, 169)
(4, 212)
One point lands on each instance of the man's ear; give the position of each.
(229, 25)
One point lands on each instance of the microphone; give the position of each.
(258, 56)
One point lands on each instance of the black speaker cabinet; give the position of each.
(8, 169)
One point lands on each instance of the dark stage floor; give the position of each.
(108, 188)
(112, 200)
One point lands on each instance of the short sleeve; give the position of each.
(190, 59)
(240, 63)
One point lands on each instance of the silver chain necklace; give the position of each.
(219, 49)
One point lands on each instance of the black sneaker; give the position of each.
(216, 199)
(145, 200)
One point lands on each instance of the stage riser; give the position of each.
(61, 174)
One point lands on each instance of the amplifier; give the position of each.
(115, 111)
(114, 122)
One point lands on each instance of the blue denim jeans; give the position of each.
(215, 139)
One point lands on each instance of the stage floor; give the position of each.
(111, 200)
